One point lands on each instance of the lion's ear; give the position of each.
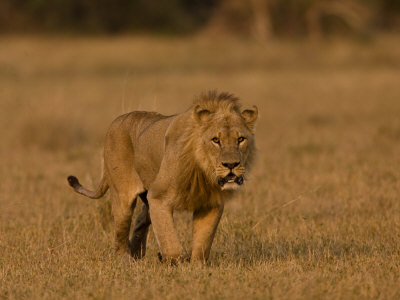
(250, 116)
(201, 114)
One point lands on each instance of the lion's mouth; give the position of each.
(230, 178)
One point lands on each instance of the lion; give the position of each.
(193, 161)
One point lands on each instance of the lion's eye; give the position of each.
(216, 140)
(241, 139)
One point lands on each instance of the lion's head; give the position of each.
(224, 147)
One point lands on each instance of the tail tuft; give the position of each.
(99, 192)
(74, 182)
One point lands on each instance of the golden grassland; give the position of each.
(319, 218)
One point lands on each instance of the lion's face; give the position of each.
(227, 147)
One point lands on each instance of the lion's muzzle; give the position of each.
(230, 178)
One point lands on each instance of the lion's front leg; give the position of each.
(164, 230)
(205, 222)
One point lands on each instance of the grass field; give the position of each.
(320, 218)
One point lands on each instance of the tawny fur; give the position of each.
(177, 161)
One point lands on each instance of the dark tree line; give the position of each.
(261, 19)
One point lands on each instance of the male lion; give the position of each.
(192, 161)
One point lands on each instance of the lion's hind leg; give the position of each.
(122, 210)
(124, 181)
(138, 240)
(123, 202)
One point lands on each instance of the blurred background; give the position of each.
(259, 19)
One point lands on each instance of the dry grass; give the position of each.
(320, 218)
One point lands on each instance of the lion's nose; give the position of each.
(231, 165)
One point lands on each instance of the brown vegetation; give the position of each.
(319, 219)
(258, 19)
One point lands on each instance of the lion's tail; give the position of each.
(98, 193)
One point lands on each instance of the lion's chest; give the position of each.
(185, 200)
